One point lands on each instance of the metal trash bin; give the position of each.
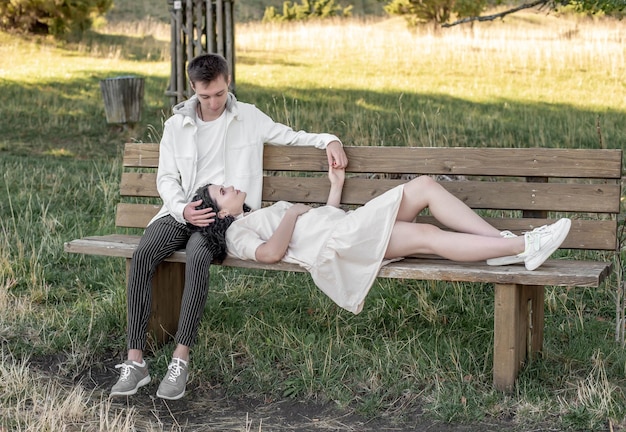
(123, 98)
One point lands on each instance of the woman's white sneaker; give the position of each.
(542, 242)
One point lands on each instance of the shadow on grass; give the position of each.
(69, 115)
(138, 48)
(50, 116)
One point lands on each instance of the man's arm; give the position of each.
(280, 134)
(169, 179)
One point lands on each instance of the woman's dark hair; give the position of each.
(215, 233)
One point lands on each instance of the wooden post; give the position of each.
(534, 297)
(518, 330)
(220, 26)
(199, 26)
(123, 99)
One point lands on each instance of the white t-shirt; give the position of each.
(210, 140)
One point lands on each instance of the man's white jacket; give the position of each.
(247, 130)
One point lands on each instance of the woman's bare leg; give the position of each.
(408, 238)
(423, 192)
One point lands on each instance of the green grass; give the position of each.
(416, 346)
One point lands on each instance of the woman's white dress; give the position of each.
(343, 251)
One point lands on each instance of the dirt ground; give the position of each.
(206, 409)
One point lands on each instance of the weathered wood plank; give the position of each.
(555, 272)
(167, 292)
(134, 184)
(591, 234)
(534, 297)
(507, 348)
(573, 163)
(591, 198)
(141, 155)
(518, 330)
(595, 198)
(135, 215)
(584, 234)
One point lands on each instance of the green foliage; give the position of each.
(306, 10)
(54, 17)
(608, 7)
(441, 11)
(253, 10)
(435, 11)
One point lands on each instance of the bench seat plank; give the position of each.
(553, 272)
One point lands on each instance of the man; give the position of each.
(211, 138)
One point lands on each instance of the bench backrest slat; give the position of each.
(141, 155)
(477, 194)
(135, 215)
(518, 188)
(524, 162)
(138, 216)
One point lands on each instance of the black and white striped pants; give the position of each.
(161, 238)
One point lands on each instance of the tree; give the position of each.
(306, 10)
(435, 11)
(440, 12)
(608, 7)
(56, 17)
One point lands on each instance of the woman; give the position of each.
(344, 251)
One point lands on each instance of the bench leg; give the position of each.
(167, 293)
(518, 330)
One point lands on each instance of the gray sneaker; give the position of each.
(506, 260)
(132, 376)
(542, 242)
(173, 385)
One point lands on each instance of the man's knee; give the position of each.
(198, 252)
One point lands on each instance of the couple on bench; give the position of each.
(210, 180)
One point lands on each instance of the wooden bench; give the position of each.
(514, 189)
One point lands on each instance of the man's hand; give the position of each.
(336, 155)
(199, 218)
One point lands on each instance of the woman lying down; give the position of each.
(344, 251)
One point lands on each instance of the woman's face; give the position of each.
(228, 199)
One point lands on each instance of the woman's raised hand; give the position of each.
(336, 175)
